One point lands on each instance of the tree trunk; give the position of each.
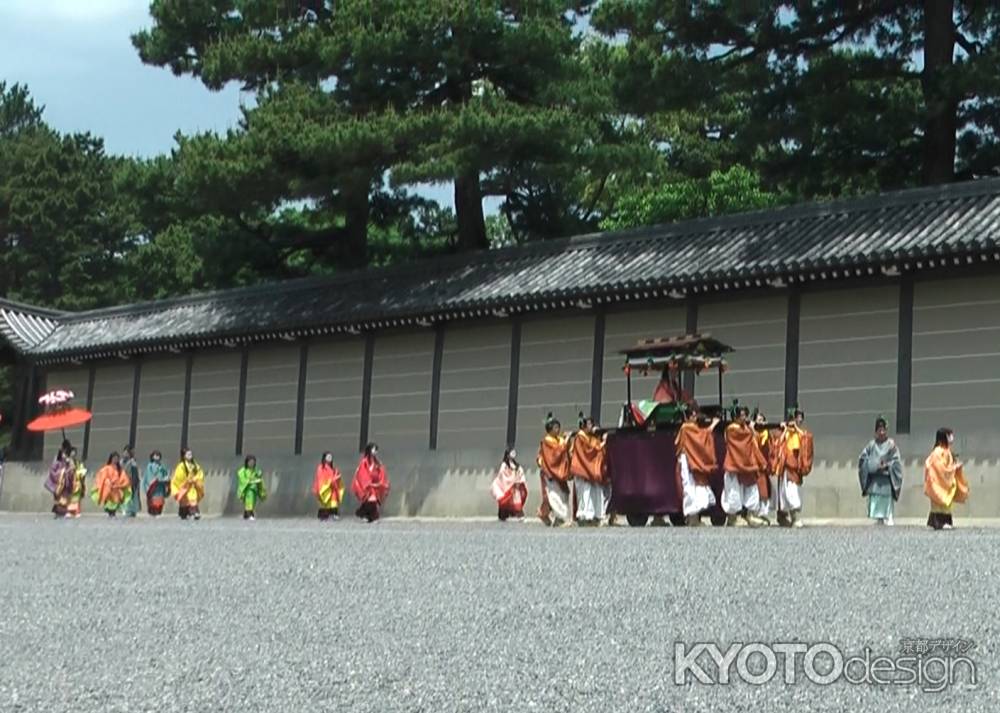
(469, 212)
(356, 207)
(940, 100)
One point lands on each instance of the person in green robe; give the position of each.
(250, 487)
(131, 468)
(880, 473)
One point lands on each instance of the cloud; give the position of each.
(82, 11)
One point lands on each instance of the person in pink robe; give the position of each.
(509, 487)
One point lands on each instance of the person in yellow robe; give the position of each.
(944, 481)
(79, 489)
(188, 486)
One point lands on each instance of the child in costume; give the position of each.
(370, 485)
(944, 481)
(131, 467)
(79, 489)
(188, 486)
(250, 487)
(60, 480)
(112, 487)
(509, 488)
(328, 487)
(880, 473)
(156, 483)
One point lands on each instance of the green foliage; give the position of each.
(61, 233)
(722, 192)
(483, 93)
(17, 110)
(821, 98)
(657, 110)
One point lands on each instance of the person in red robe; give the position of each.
(371, 484)
(669, 390)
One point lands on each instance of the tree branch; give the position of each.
(597, 195)
(812, 39)
(972, 48)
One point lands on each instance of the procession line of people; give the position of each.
(117, 485)
(763, 473)
(763, 467)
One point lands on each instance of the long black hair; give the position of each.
(322, 458)
(511, 462)
(370, 450)
(250, 457)
(114, 454)
(941, 437)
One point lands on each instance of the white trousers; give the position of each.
(736, 496)
(558, 500)
(590, 503)
(764, 505)
(786, 495)
(696, 497)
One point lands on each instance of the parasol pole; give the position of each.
(628, 393)
(720, 385)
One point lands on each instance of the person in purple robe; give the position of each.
(60, 480)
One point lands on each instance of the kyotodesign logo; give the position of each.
(931, 665)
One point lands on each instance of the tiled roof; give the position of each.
(26, 327)
(890, 233)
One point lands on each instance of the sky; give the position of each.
(77, 60)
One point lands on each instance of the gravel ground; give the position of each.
(292, 615)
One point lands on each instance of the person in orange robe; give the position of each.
(696, 461)
(509, 488)
(588, 468)
(767, 439)
(370, 485)
(794, 462)
(743, 466)
(328, 487)
(553, 465)
(112, 486)
(944, 481)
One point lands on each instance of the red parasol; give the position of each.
(60, 419)
(58, 413)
